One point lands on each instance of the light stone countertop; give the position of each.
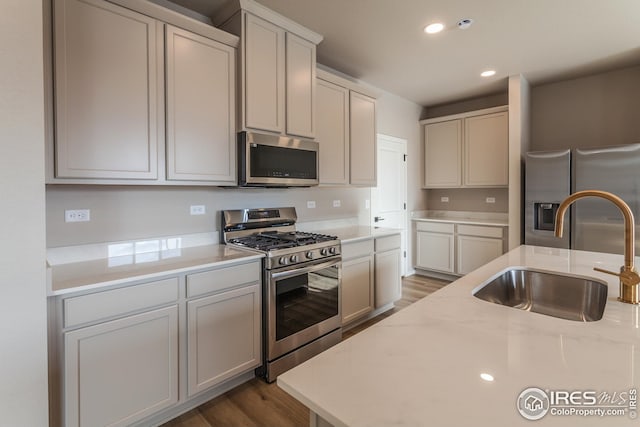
(422, 365)
(75, 269)
(471, 218)
(111, 271)
(357, 233)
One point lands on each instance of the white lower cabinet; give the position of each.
(116, 355)
(477, 245)
(118, 372)
(371, 277)
(223, 336)
(357, 280)
(474, 252)
(388, 278)
(457, 248)
(435, 247)
(357, 288)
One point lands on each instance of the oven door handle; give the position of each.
(310, 269)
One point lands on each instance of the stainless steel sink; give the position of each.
(557, 295)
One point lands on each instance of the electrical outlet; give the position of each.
(491, 199)
(198, 210)
(337, 203)
(311, 204)
(444, 199)
(77, 215)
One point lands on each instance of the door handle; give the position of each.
(378, 218)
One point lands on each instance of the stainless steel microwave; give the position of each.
(276, 161)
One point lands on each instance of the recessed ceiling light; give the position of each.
(486, 377)
(488, 73)
(436, 27)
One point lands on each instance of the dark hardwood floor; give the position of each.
(258, 404)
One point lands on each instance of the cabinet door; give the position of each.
(474, 252)
(332, 133)
(388, 281)
(301, 86)
(201, 132)
(223, 337)
(357, 288)
(443, 154)
(107, 71)
(486, 150)
(264, 75)
(121, 371)
(362, 139)
(435, 251)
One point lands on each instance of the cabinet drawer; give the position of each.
(478, 230)
(222, 278)
(436, 227)
(357, 249)
(387, 243)
(102, 305)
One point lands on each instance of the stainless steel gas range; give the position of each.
(301, 284)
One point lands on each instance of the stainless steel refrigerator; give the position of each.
(595, 224)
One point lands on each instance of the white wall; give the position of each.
(519, 131)
(590, 111)
(23, 371)
(134, 212)
(399, 117)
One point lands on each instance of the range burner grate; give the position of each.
(267, 241)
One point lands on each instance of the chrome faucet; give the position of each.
(629, 278)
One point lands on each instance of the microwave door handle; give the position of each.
(310, 269)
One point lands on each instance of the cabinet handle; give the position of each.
(378, 218)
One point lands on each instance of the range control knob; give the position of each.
(294, 258)
(332, 250)
(309, 255)
(282, 261)
(324, 251)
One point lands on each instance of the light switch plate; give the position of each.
(311, 204)
(337, 203)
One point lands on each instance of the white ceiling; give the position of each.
(382, 41)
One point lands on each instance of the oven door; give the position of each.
(302, 304)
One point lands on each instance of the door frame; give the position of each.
(405, 235)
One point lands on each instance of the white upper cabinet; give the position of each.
(263, 85)
(108, 75)
(345, 131)
(442, 154)
(200, 108)
(278, 63)
(117, 72)
(486, 150)
(332, 112)
(363, 139)
(467, 150)
(301, 86)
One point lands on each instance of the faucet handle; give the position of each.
(602, 270)
(629, 277)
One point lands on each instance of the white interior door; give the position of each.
(389, 198)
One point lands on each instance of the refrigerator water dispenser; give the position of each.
(545, 216)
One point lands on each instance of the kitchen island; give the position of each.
(452, 359)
